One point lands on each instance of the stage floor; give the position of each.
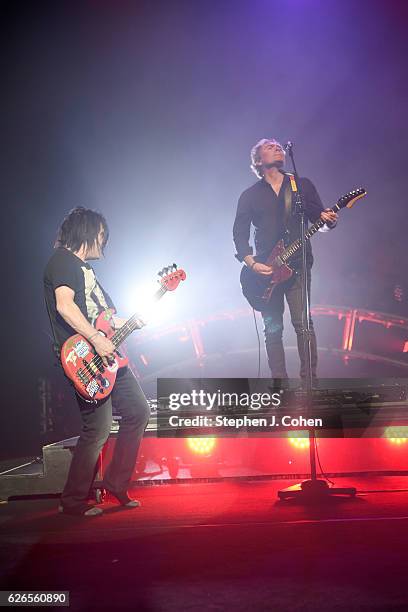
(217, 546)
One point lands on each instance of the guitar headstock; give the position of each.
(171, 277)
(351, 198)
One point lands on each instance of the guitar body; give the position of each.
(92, 381)
(257, 288)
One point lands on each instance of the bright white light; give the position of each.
(142, 300)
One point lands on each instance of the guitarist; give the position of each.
(268, 206)
(74, 299)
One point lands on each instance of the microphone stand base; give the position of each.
(311, 491)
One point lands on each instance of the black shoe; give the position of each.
(81, 510)
(124, 499)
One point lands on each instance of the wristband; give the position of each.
(93, 335)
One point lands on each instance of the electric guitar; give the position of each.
(258, 288)
(93, 380)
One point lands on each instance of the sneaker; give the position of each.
(82, 510)
(124, 499)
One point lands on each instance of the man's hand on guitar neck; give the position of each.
(329, 217)
(117, 322)
(257, 266)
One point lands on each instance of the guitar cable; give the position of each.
(259, 344)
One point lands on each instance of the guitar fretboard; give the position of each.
(295, 246)
(134, 322)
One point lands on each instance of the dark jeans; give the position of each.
(129, 400)
(273, 321)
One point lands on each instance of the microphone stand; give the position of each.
(314, 488)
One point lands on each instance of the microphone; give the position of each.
(288, 146)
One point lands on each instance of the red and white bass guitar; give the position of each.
(84, 367)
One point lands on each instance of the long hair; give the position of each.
(81, 228)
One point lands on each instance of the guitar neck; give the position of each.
(296, 245)
(134, 322)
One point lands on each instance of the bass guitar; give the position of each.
(258, 288)
(93, 380)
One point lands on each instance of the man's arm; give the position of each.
(71, 313)
(242, 228)
(241, 233)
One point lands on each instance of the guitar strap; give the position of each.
(288, 211)
(289, 191)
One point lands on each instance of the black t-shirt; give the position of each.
(260, 206)
(66, 269)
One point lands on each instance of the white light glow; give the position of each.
(153, 312)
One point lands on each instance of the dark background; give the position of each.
(147, 111)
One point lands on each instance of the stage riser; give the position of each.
(170, 459)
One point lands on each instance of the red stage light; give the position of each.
(396, 435)
(201, 446)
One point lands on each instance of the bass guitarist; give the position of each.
(268, 206)
(74, 299)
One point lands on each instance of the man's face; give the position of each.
(272, 154)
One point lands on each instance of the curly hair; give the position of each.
(81, 227)
(256, 165)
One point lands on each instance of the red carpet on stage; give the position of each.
(217, 546)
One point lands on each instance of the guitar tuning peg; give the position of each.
(160, 272)
(174, 266)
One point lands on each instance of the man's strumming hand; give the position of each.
(104, 347)
(261, 268)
